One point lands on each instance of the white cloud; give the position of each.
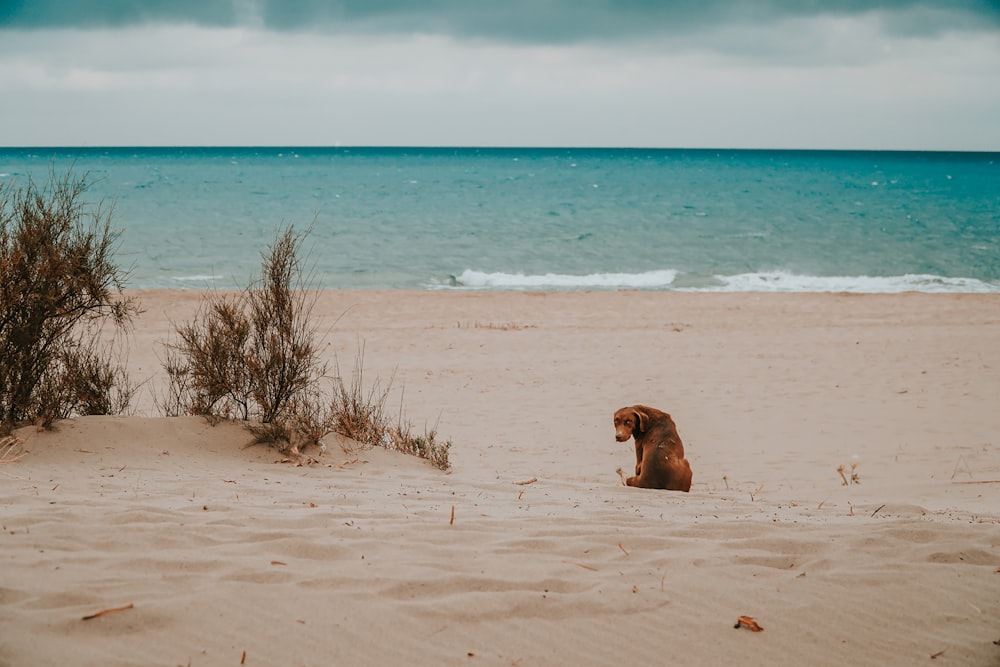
(837, 82)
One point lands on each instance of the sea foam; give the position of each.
(481, 280)
(669, 279)
(196, 278)
(778, 281)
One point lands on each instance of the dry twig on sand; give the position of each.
(11, 449)
(581, 565)
(105, 612)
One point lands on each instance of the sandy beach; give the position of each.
(529, 551)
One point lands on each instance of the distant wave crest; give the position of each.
(778, 281)
(768, 281)
(195, 278)
(482, 280)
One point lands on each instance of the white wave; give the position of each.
(195, 278)
(482, 280)
(779, 281)
(766, 281)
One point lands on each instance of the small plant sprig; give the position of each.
(854, 479)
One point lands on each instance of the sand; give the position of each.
(223, 555)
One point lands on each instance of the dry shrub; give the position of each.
(58, 286)
(356, 413)
(360, 415)
(253, 356)
(426, 446)
(209, 367)
(85, 379)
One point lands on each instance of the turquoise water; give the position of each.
(409, 218)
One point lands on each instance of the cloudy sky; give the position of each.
(886, 74)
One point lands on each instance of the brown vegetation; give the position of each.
(253, 356)
(58, 287)
(361, 415)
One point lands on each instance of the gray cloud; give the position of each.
(113, 13)
(526, 21)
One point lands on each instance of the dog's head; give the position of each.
(629, 421)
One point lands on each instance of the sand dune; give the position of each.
(229, 556)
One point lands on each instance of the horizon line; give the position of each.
(487, 147)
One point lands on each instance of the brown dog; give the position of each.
(659, 452)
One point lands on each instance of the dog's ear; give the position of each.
(642, 419)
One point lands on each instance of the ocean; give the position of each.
(547, 219)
